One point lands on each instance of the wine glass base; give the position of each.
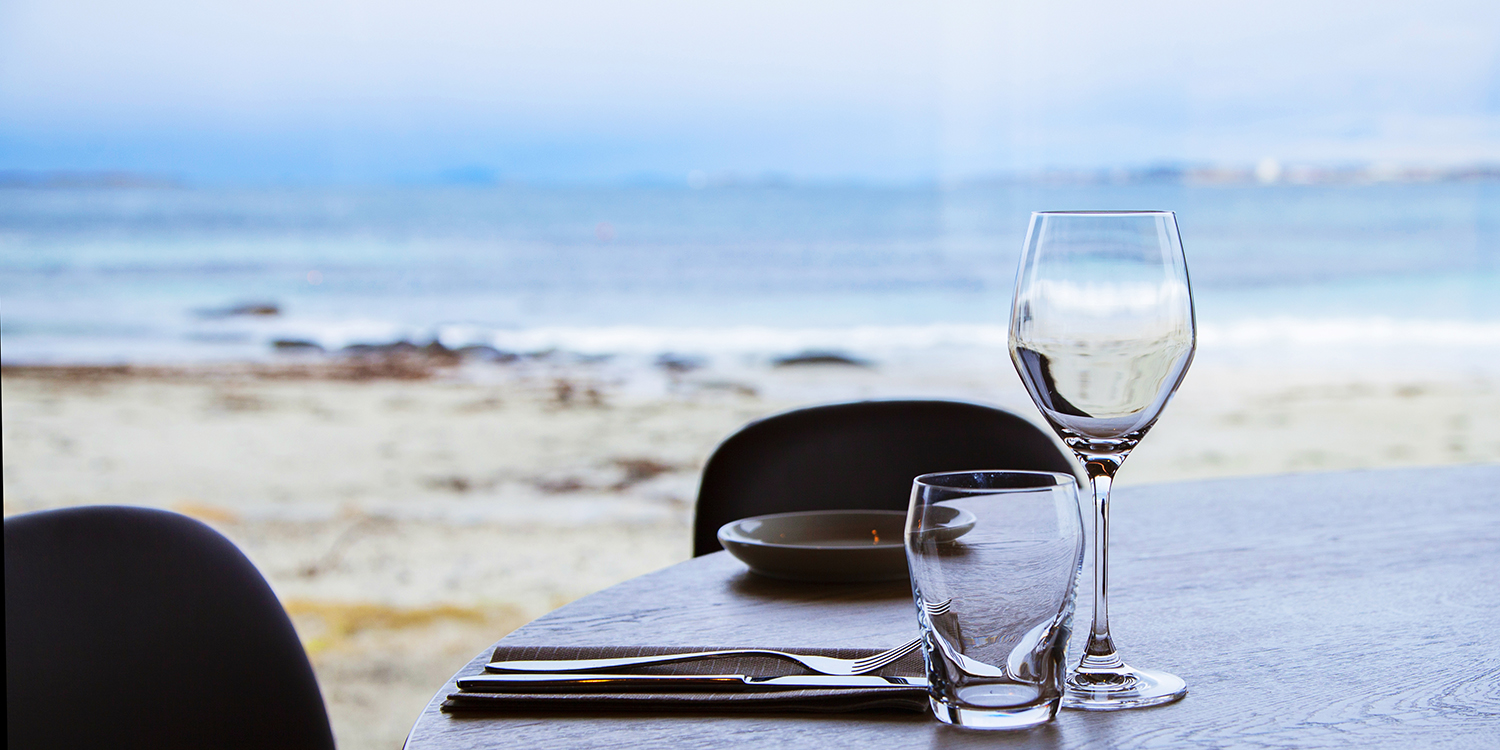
(1121, 689)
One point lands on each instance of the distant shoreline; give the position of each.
(681, 349)
(1267, 172)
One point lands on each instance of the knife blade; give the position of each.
(589, 683)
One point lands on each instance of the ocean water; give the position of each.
(147, 275)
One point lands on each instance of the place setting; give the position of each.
(1102, 332)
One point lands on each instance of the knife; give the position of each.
(593, 683)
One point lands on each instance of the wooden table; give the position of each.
(1357, 609)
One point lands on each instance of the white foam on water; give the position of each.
(747, 340)
(252, 339)
(1350, 330)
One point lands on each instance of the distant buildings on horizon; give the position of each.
(1264, 172)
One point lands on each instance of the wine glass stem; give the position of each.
(1099, 654)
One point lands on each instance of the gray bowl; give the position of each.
(835, 546)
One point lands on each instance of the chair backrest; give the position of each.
(130, 627)
(860, 455)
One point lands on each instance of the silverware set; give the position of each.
(563, 675)
(827, 665)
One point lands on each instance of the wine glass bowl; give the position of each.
(1102, 332)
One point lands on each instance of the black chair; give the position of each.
(860, 455)
(129, 627)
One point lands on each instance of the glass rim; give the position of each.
(1111, 212)
(1059, 479)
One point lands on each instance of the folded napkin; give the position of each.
(820, 700)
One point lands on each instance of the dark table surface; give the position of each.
(1355, 609)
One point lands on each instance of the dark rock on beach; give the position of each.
(252, 309)
(820, 358)
(485, 353)
(435, 350)
(394, 347)
(563, 356)
(398, 360)
(395, 360)
(679, 364)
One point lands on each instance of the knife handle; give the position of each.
(590, 683)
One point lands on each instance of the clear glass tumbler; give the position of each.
(995, 559)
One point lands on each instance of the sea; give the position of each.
(160, 275)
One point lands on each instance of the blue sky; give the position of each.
(377, 91)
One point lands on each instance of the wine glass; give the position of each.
(1102, 332)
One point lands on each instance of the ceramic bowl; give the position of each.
(829, 545)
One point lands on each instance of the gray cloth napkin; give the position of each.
(820, 700)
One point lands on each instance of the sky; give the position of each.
(600, 91)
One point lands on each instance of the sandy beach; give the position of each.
(410, 512)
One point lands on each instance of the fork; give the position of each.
(821, 664)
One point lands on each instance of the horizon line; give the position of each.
(1264, 172)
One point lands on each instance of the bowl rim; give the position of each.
(728, 534)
